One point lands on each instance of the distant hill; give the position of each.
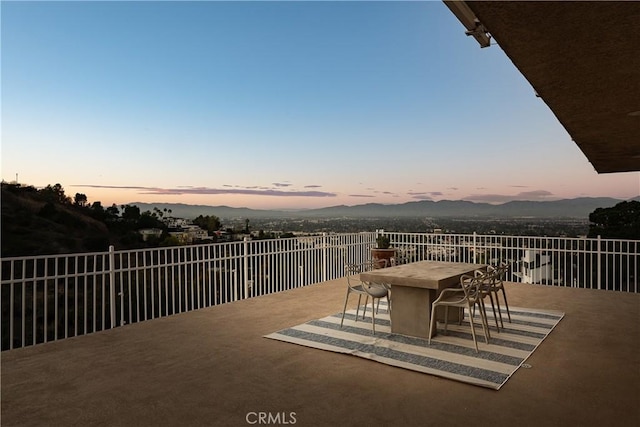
(567, 208)
(181, 210)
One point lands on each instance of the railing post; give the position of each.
(325, 257)
(474, 247)
(599, 278)
(112, 284)
(246, 267)
(121, 294)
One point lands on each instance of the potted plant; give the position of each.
(383, 252)
(383, 242)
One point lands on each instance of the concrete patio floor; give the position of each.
(212, 367)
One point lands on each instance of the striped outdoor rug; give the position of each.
(450, 356)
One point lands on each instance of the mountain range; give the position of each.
(566, 208)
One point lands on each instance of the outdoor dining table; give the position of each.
(414, 287)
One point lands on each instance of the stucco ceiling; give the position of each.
(583, 60)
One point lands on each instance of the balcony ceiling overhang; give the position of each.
(583, 60)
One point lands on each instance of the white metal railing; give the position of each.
(46, 298)
(597, 263)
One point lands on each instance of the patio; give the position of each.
(213, 367)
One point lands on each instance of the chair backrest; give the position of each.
(479, 272)
(351, 272)
(369, 265)
(471, 286)
(503, 269)
(500, 271)
(372, 264)
(487, 278)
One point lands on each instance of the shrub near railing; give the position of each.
(46, 298)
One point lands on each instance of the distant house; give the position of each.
(186, 232)
(182, 236)
(224, 236)
(196, 232)
(150, 232)
(536, 267)
(172, 222)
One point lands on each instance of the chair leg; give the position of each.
(504, 295)
(373, 315)
(446, 318)
(499, 310)
(364, 310)
(345, 309)
(473, 333)
(493, 307)
(483, 315)
(485, 322)
(358, 308)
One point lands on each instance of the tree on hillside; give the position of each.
(149, 220)
(15, 187)
(55, 194)
(113, 212)
(80, 200)
(621, 221)
(130, 212)
(211, 223)
(97, 211)
(157, 212)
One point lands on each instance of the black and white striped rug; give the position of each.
(450, 356)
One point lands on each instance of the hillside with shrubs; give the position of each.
(47, 221)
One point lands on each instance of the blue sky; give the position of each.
(276, 105)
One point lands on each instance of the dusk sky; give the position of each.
(276, 105)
